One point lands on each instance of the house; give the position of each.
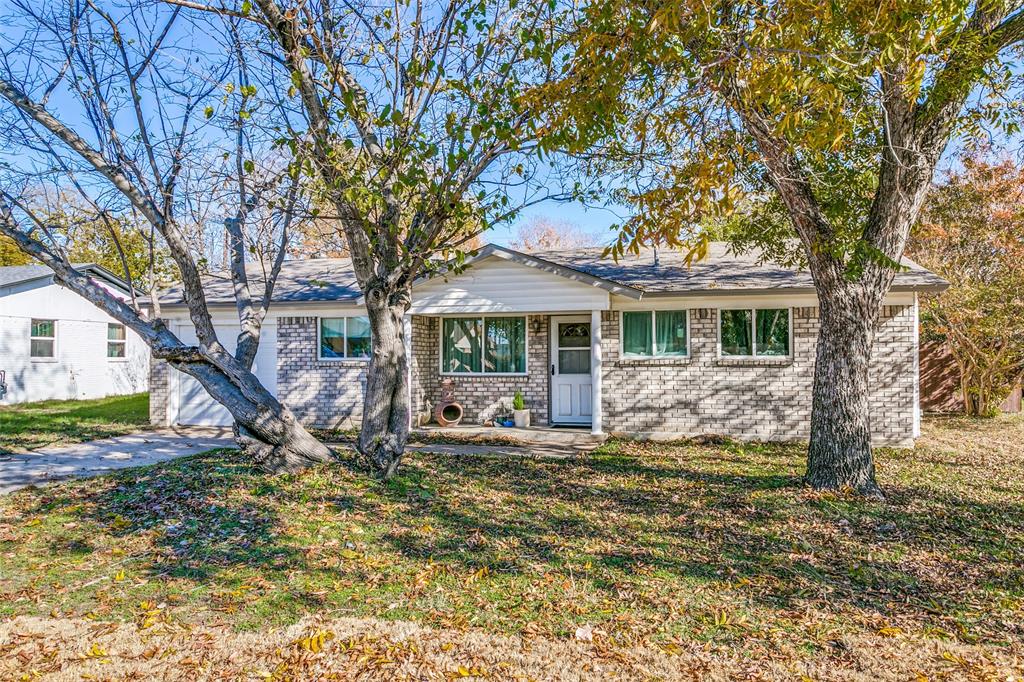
(55, 345)
(645, 346)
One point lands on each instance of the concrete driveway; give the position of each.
(46, 465)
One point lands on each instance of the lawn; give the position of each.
(653, 561)
(53, 422)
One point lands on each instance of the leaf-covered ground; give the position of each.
(54, 422)
(641, 555)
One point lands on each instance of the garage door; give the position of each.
(195, 406)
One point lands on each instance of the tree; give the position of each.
(134, 143)
(972, 233)
(412, 120)
(544, 234)
(838, 113)
(10, 254)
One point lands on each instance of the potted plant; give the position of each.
(520, 414)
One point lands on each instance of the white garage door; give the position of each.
(195, 406)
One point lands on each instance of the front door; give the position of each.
(570, 370)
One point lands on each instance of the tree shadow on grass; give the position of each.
(215, 521)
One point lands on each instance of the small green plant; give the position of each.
(517, 401)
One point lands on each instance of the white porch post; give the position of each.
(595, 372)
(407, 333)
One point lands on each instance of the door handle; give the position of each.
(552, 370)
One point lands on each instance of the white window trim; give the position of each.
(482, 318)
(56, 334)
(753, 333)
(123, 342)
(654, 335)
(319, 345)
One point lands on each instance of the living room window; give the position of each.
(483, 345)
(344, 338)
(43, 339)
(754, 332)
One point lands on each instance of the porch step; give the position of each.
(579, 439)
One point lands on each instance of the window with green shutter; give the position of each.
(344, 337)
(483, 345)
(754, 332)
(655, 333)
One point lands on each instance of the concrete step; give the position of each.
(580, 439)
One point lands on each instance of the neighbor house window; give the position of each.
(483, 345)
(754, 332)
(344, 337)
(115, 340)
(43, 338)
(655, 333)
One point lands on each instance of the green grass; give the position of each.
(718, 544)
(52, 422)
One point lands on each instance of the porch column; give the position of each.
(596, 410)
(407, 333)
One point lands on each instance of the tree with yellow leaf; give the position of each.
(837, 114)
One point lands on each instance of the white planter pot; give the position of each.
(522, 418)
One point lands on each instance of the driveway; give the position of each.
(46, 465)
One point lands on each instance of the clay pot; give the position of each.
(448, 414)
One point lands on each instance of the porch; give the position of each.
(482, 360)
(577, 438)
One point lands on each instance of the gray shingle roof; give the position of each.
(301, 281)
(332, 279)
(721, 271)
(16, 274)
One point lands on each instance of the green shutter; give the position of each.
(636, 333)
(670, 332)
(736, 332)
(505, 345)
(357, 340)
(462, 344)
(773, 331)
(332, 337)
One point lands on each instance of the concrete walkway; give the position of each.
(46, 465)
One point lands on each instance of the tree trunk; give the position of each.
(839, 455)
(386, 408)
(265, 430)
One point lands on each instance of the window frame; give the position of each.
(121, 342)
(655, 355)
(31, 338)
(319, 340)
(483, 350)
(753, 333)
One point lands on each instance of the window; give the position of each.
(43, 339)
(659, 333)
(344, 337)
(754, 332)
(483, 345)
(115, 340)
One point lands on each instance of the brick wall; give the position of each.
(424, 361)
(482, 396)
(159, 392)
(762, 399)
(321, 393)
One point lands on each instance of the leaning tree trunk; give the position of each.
(386, 407)
(839, 455)
(266, 431)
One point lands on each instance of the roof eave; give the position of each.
(527, 260)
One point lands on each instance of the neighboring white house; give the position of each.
(644, 346)
(55, 345)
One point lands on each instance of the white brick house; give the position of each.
(645, 346)
(55, 345)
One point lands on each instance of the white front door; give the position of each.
(570, 370)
